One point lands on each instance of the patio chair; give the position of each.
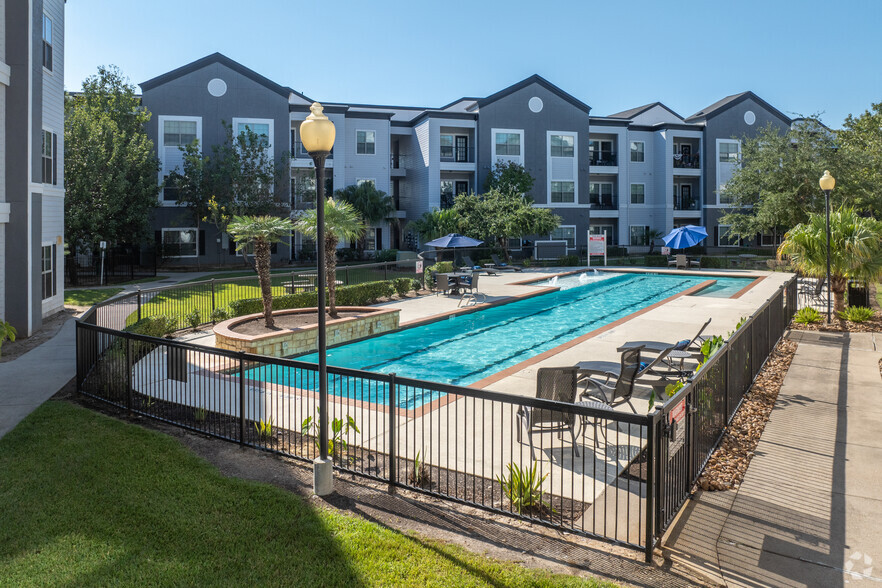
(473, 267)
(500, 265)
(692, 345)
(471, 294)
(656, 374)
(442, 284)
(551, 384)
(815, 294)
(618, 387)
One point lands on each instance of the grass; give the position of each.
(89, 500)
(89, 296)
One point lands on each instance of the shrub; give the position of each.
(402, 285)
(711, 346)
(419, 475)
(523, 487)
(220, 314)
(264, 429)
(807, 315)
(713, 262)
(355, 295)
(415, 285)
(442, 267)
(856, 314)
(339, 429)
(656, 261)
(386, 255)
(527, 262)
(154, 326)
(7, 331)
(568, 260)
(193, 319)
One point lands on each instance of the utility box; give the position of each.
(858, 294)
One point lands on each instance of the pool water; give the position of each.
(724, 288)
(466, 348)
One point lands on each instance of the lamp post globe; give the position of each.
(828, 182)
(317, 133)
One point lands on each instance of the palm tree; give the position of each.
(653, 235)
(342, 222)
(373, 205)
(261, 232)
(855, 249)
(436, 223)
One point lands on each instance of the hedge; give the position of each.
(713, 262)
(356, 295)
(655, 261)
(442, 267)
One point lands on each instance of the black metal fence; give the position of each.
(611, 475)
(124, 264)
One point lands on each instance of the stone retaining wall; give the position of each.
(370, 321)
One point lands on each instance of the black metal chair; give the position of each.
(551, 384)
(618, 388)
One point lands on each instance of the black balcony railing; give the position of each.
(455, 154)
(681, 203)
(398, 160)
(604, 202)
(682, 160)
(603, 158)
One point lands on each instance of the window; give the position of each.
(303, 186)
(508, 144)
(373, 239)
(363, 181)
(637, 151)
(49, 151)
(563, 192)
(608, 230)
(48, 271)
(179, 243)
(47, 42)
(600, 195)
(600, 152)
(728, 151)
(178, 133)
(771, 239)
(447, 146)
(638, 195)
(562, 145)
(365, 142)
(447, 194)
(514, 244)
(565, 233)
(639, 236)
(724, 240)
(262, 130)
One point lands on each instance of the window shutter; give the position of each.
(54, 159)
(54, 269)
(717, 235)
(379, 244)
(232, 246)
(158, 237)
(201, 249)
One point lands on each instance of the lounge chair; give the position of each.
(500, 265)
(471, 294)
(692, 345)
(551, 384)
(473, 267)
(656, 374)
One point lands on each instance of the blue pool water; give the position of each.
(466, 348)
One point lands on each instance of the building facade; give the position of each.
(626, 175)
(31, 162)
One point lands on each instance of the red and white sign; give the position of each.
(419, 266)
(596, 247)
(678, 413)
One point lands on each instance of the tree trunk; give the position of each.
(838, 284)
(262, 260)
(331, 271)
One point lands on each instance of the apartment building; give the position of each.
(31, 162)
(626, 175)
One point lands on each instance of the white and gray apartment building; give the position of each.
(31, 161)
(625, 174)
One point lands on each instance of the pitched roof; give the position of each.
(534, 79)
(635, 112)
(223, 60)
(730, 101)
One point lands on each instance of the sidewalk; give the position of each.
(809, 511)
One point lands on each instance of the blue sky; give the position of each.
(802, 56)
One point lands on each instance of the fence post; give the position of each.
(129, 394)
(213, 304)
(727, 385)
(241, 398)
(385, 271)
(393, 437)
(651, 486)
(139, 303)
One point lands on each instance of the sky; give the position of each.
(803, 56)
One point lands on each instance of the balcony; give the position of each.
(299, 152)
(455, 154)
(686, 203)
(602, 159)
(397, 165)
(604, 202)
(686, 161)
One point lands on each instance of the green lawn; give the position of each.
(90, 296)
(92, 501)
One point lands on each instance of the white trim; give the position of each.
(575, 244)
(519, 159)
(160, 142)
(5, 72)
(5, 209)
(51, 44)
(374, 131)
(630, 153)
(631, 194)
(648, 229)
(719, 186)
(30, 240)
(574, 162)
(179, 229)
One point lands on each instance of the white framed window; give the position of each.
(600, 152)
(638, 194)
(639, 235)
(562, 145)
(723, 238)
(729, 151)
(47, 42)
(180, 242)
(563, 192)
(638, 151)
(362, 181)
(514, 243)
(174, 132)
(373, 239)
(728, 160)
(365, 142)
(508, 145)
(446, 146)
(48, 271)
(565, 233)
(49, 150)
(262, 127)
(600, 195)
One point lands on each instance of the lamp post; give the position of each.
(828, 182)
(317, 134)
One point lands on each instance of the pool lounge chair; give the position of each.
(560, 384)
(471, 266)
(656, 374)
(500, 265)
(692, 345)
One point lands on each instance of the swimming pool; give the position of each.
(463, 349)
(724, 288)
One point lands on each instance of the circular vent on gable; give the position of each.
(749, 117)
(535, 104)
(217, 87)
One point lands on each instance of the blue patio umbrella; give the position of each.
(683, 237)
(452, 241)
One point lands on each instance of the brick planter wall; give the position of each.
(370, 321)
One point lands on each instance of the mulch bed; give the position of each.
(285, 322)
(874, 325)
(726, 467)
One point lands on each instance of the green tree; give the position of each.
(373, 205)
(436, 223)
(855, 249)
(191, 183)
(342, 223)
(498, 216)
(776, 186)
(508, 176)
(860, 142)
(110, 167)
(261, 232)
